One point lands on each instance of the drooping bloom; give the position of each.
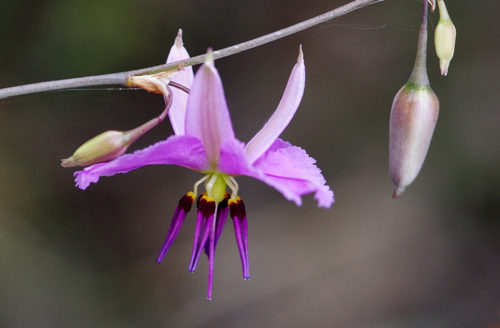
(414, 114)
(413, 118)
(205, 142)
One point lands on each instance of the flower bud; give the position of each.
(104, 147)
(414, 115)
(108, 145)
(444, 38)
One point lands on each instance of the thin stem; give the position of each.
(419, 73)
(138, 132)
(233, 185)
(122, 77)
(197, 184)
(179, 86)
(170, 98)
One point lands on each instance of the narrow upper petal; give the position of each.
(287, 168)
(184, 151)
(207, 115)
(185, 77)
(282, 115)
(290, 170)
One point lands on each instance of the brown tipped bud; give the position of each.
(414, 115)
(106, 146)
(444, 38)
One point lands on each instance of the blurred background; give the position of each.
(72, 258)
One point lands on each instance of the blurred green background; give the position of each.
(72, 258)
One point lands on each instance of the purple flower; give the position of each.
(205, 142)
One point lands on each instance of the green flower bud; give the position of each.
(104, 147)
(444, 38)
(108, 145)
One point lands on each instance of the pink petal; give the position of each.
(207, 115)
(282, 115)
(290, 170)
(285, 167)
(177, 150)
(233, 160)
(185, 77)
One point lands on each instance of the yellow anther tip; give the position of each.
(207, 198)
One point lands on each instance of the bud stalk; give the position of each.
(112, 144)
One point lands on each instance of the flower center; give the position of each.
(215, 185)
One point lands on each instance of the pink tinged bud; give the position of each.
(444, 38)
(414, 115)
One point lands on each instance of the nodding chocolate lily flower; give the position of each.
(207, 144)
